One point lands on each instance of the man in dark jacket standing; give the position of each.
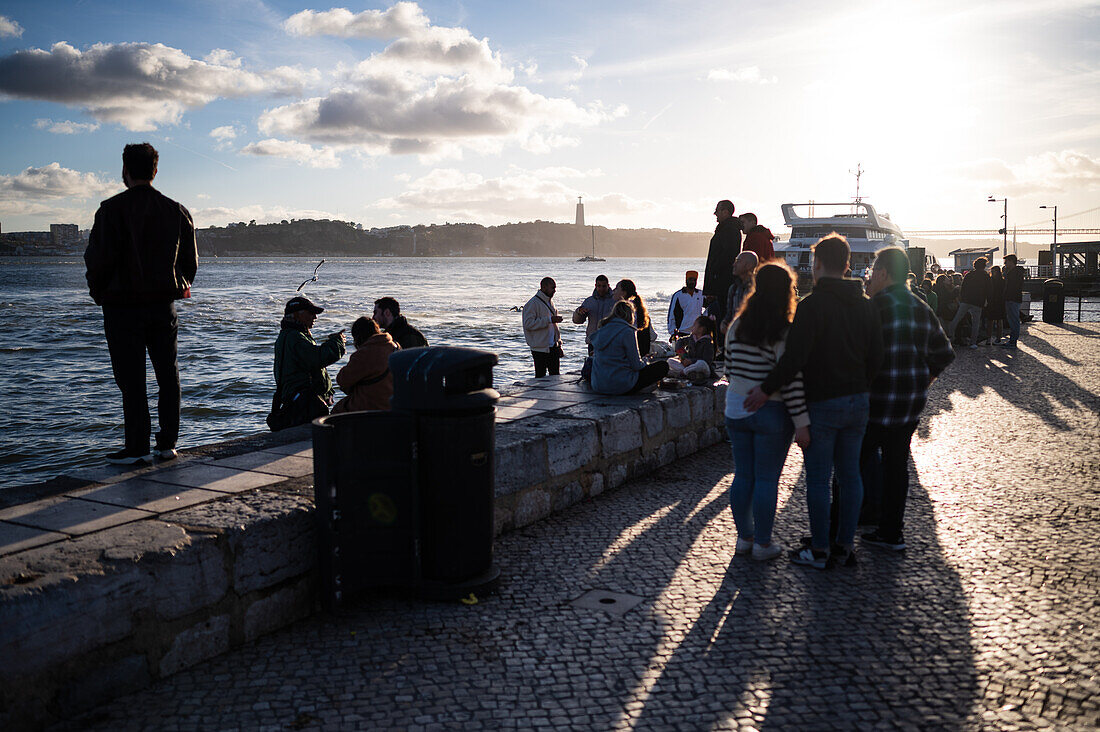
(141, 258)
(387, 313)
(725, 245)
(972, 298)
(1014, 295)
(837, 330)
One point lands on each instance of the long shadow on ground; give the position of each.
(885, 642)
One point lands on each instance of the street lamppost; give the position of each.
(1004, 229)
(1054, 244)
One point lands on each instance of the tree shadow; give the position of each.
(886, 642)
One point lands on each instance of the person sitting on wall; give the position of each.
(303, 386)
(694, 357)
(366, 378)
(617, 366)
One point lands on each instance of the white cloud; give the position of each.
(300, 152)
(65, 127)
(53, 181)
(1050, 172)
(224, 133)
(9, 28)
(744, 75)
(519, 195)
(137, 85)
(402, 19)
(222, 215)
(433, 91)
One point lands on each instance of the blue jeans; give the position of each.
(760, 445)
(836, 436)
(1012, 315)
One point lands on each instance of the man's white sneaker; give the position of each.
(168, 453)
(763, 553)
(743, 547)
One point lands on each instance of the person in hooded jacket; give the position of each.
(758, 239)
(837, 330)
(594, 309)
(617, 366)
(300, 362)
(366, 377)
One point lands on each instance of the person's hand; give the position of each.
(556, 318)
(340, 336)
(755, 399)
(582, 310)
(686, 361)
(802, 437)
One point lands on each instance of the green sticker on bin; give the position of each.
(382, 508)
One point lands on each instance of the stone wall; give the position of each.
(95, 616)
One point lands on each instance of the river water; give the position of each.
(62, 410)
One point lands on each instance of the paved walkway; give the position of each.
(989, 620)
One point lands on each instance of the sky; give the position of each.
(492, 112)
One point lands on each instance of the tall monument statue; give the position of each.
(580, 213)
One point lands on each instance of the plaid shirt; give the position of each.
(916, 351)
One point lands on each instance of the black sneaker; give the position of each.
(842, 556)
(165, 453)
(129, 457)
(876, 539)
(809, 557)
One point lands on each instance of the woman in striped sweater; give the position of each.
(761, 440)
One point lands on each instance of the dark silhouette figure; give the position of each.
(725, 245)
(141, 258)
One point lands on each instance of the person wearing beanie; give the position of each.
(685, 307)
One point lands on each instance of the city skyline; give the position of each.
(419, 113)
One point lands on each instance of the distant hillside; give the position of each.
(537, 238)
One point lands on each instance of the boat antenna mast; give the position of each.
(858, 173)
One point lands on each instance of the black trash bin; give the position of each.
(1054, 301)
(449, 391)
(405, 498)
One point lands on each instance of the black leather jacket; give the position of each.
(141, 249)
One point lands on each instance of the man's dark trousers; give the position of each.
(546, 363)
(890, 447)
(131, 331)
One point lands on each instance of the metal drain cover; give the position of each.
(616, 603)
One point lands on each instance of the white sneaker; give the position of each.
(763, 553)
(743, 547)
(168, 453)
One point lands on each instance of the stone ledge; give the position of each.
(102, 612)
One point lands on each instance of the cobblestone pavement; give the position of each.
(988, 620)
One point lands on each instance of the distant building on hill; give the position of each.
(64, 234)
(580, 213)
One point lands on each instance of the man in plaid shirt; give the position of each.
(916, 352)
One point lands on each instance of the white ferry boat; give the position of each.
(866, 230)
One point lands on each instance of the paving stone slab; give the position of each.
(147, 495)
(290, 466)
(107, 473)
(301, 449)
(15, 538)
(215, 478)
(71, 516)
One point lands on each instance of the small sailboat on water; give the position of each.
(592, 257)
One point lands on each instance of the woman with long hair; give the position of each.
(761, 440)
(625, 290)
(995, 306)
(617, 367)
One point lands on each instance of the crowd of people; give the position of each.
(844, 372)
(983, 299)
